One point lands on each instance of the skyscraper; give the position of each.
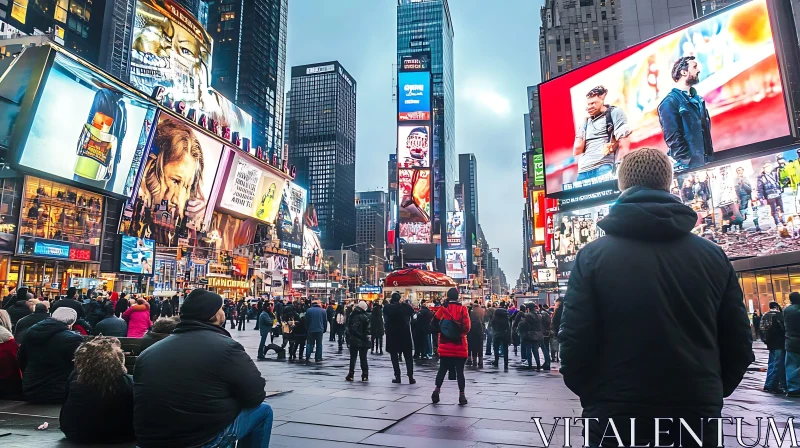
(643, 19)
(468, 182)
(249, 62)
(371, 210)
(322, 145)
(424, 28)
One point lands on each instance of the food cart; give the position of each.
(417, 285)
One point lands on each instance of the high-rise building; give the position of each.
(322, 145)
(199, 8)
(371, 215)
(468, 190)
(424, 28)
(643, 19)
(249, 62)
(115, 44)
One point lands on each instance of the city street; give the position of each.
(315, 408)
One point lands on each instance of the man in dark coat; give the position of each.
(654, 322)
(421, 327)
(202, 382)
(791, 316)
(69, 301)
(775, 338)
(358, 335)
(501, 327)
(376, 328)
(40, 313)
(20, 307)
(46, 358)
(155, 308)
(330, 314)
(111, 325)
(397, 319)
(316, 325)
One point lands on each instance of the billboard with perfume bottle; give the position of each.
(87, 129)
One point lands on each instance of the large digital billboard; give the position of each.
(176, 183)
(538, 216)
(171, 49)
(289, 223)
(456, 263)
(414, 96)
(415, 195)
(413, 146)
(574, 229)
(455, 230)
(252, 191)
(137, 255)
(87, 129)
(711, 86)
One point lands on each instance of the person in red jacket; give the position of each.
(452, 320)
(10, 375)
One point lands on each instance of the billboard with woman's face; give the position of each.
(695, 92)
(172, 200)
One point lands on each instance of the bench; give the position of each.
(130, 346)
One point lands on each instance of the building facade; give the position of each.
(468, 190)
(322, 145)
(424, 27)
(249, 62)
(371, 217)
(643, 19)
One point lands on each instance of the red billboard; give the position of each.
(708, 87)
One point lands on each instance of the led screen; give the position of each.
(289, 224)
(415, 96)
(415, 205)
(176, 183)
(729, 96)
(538, 216)
(413, 147)
(455, 230)
(138, 255)
(456, 261)
(87, 129)
(575, 229)
(252, 191)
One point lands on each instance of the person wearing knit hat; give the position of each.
(363, 305)
(677, 307)
(646, 167)
(452, 318)
(219, 385)
(66, 315)
(358, 332)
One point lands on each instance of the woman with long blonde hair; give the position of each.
(99, 391)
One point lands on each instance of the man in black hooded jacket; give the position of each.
(654, 322)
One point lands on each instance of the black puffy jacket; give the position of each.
(197, 380)
(111, 326)
(24, 324)
(46, 361)
(500, 324)
(654, 322)
(358, 330)
(18, 310)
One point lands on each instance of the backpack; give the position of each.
(609, 125)
(767, 323)
(449, 328)
(340, 319)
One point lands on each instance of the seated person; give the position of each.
(111, 325)
(10, 376)
(162, 328)
(46, 357)
(40, 312)
(99, 406)
(202, 382)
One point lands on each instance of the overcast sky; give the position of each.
(496, 58)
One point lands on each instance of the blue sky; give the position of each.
(496, 58)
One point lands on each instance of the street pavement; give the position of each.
(316, 408)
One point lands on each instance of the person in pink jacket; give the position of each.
(138, 318)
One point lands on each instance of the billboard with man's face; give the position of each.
(695, 92)
(413, 146)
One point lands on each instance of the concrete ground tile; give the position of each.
(366, 395)
(296, 401)
(307, 431)
(470, 411)
(336, 420)
(401, 441)
(280, 441)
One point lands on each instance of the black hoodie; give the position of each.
(654, 322)
(46, 361)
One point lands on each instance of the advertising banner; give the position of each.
(456, 261)
(87, 129)
(538, 170)
(414, 96)
(551, 208)
(575, 229)
(546, 275)
(415, 196)
(455, 230)
(312, 252)
(711, 86)
(538, 214)
(228, 232)
(415, 233)
(289, 224)
(137, 255)
(413, 146)
(176, 184)
(252, 191)
(172, 50)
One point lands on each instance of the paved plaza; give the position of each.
(315, 408)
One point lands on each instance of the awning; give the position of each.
(418, 277)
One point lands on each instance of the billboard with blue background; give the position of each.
(414, 96)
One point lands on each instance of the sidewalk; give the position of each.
(315, 408)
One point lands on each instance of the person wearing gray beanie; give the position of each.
(677, 307)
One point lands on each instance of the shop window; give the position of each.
(794, 278)
(764, 285)
(780, 286)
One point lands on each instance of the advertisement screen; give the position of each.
(456, 261)
(87, 129)
(252, 191)
(176, 183)
(455, 230)
(693, 93)
(415, 196)
(539, 216)
(413, 147)
(750, 208)
(312, 252)
(415, 233)
(172, 50)
(575, 229)
(289, 224)
(415, 96)
(138, 255)
(546, 275)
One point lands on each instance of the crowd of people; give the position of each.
(779, 329)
